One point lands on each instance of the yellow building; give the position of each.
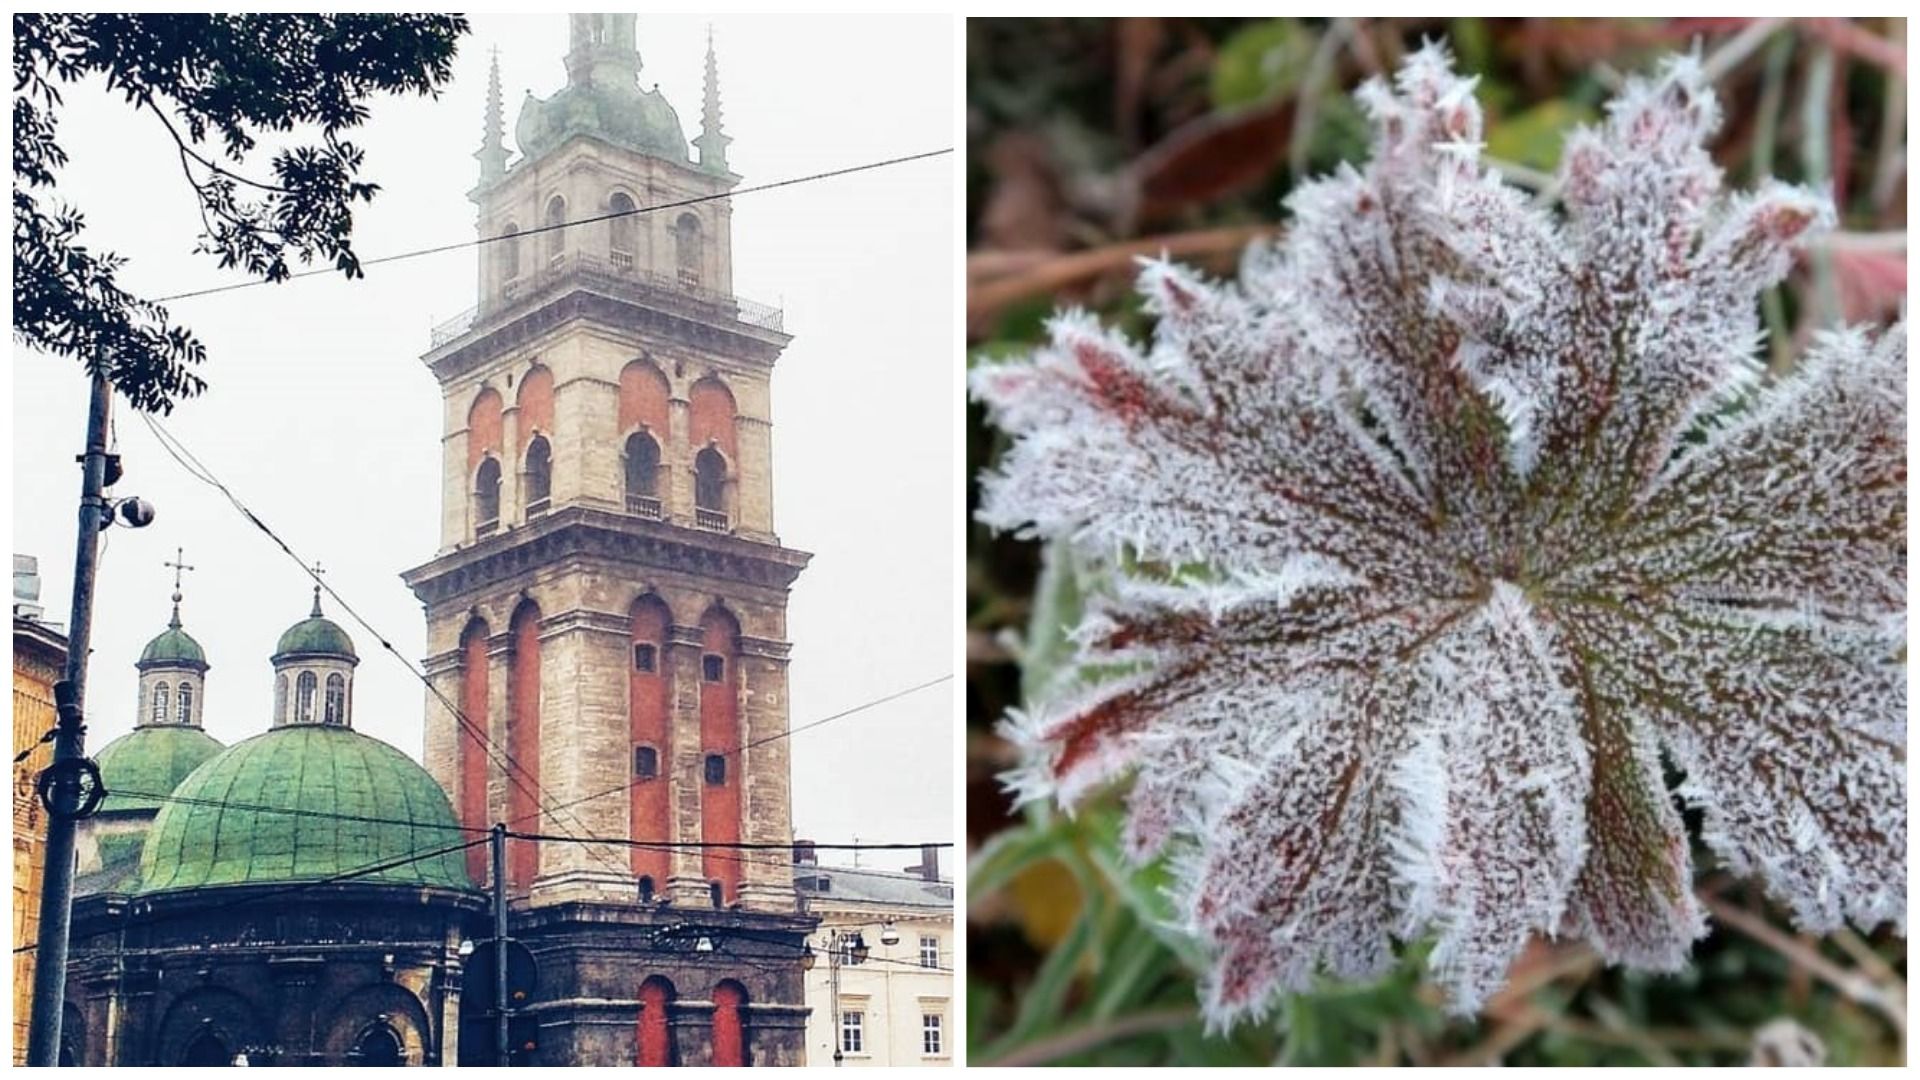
(39, 657)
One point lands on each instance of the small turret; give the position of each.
(492, 154)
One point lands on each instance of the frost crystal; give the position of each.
(1499, 519)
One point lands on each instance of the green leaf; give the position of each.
(1535, 137)
(1260, 62)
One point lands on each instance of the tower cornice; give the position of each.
(579, 531)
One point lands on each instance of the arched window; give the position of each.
(620, 231)
(729, 1024)
(646, 889)
(687, 249)
(717, 894)
(304, 687)
(160, 695)
(486, 495)
(556, 236)
(539, 475)
(186, 703)
(656, 1036)
(643, 474)
(280, 700)
(710, 480)
(379, 1045)
(510, 253)
(336, 699)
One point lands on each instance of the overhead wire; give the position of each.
(554, 226)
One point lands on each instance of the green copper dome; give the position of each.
(315, 635)
(622, 115)
(151, 761)
(222, 828)
(173, 648)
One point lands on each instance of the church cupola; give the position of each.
(172, 669)
(313, 672)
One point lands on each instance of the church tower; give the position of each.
(607, 607)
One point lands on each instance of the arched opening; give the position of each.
(687, 250)
(646, 888)
(207, 1050)
(186, 703)
(710, 489)
(471, 739)
(336, 699)
(523, 744)
(643, 475)
(649, 701)
(379, 1046)
(620, 231)
(304, 688)
(486, 497)
(729, 1024)
(556, 236)
(655, 1035)
(510, 253)
(161, 693)
(539, 480)
(720, 806)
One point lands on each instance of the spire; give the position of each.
(316, 570)
(712, 144)
(179, 564)
(493, 150)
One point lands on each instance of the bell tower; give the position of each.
(607, 605)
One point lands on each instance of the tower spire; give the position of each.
(179, 564)
(712, 143)
(493, 150)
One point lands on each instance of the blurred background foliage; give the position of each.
(1092, 142)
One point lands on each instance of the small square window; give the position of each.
(646, 762)
(853, 1030)
(716, 769)
(929, 951)
(714, 668)
(646, 658)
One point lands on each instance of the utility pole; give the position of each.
(833, 995)
(500, 1039)
(69, 749)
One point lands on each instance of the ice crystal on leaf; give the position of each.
(1499, 519)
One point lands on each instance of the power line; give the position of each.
(537, 230)
(334, 879)
(502, 758)
(198, 469)
(776, 736)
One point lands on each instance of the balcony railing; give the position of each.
(617, 276)
(537, 507)
(645, 506)
(710, 520)
(486, 528)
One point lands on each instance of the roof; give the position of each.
(881, 888)
(352, 802)
(151, 760)
(173, 648)
(315, 635)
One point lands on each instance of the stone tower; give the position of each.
(607, 607)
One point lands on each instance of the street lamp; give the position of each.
(842, 948)
(888, 935)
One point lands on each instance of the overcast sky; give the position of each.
(322, 418)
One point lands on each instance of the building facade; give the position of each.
(39, 661)
(606, 611)
(890, 1002)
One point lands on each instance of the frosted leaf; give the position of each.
(1500, 518)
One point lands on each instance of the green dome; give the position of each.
(622, 115)
(152, 761)
(222, 829)
(315, 636)
(173, 648)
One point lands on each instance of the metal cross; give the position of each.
(179, 564)
(316, 570)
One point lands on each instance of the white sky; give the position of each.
(322, 418)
